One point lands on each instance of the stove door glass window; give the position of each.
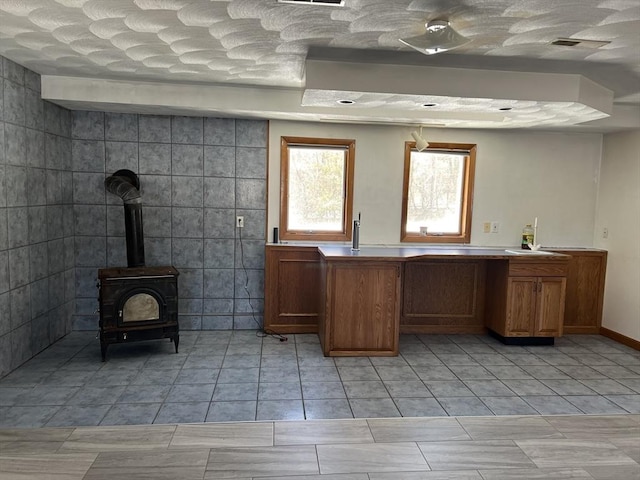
(140, 307)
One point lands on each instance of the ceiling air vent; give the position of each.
(579, 42)
(331, 3)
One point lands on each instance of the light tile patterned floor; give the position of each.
(223, 376)
(437, 448)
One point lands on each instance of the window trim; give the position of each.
(467, 194)
(349, 146)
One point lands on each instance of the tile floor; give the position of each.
(237, 376)
(582, 447)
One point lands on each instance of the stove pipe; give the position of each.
(126, 184)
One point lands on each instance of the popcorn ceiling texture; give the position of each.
(261, 42)
(470, 112)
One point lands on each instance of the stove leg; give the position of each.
(176, 340)
(103, 350)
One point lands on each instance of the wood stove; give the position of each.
(136, 302)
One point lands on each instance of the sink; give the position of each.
(528, 252)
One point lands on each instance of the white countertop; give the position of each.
(405, 252)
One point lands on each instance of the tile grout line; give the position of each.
(304, 409)
(259, 366)
(423, 456)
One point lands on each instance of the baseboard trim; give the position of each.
(618, 337)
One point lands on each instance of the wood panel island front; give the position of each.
(360, 301)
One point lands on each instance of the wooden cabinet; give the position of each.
(526, 299)
(535, 306)
(585, 290)
(521, 307)
(356, 301)
(361, 312)
(292, 289)
(550, 307)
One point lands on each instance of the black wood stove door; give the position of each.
(141, 305)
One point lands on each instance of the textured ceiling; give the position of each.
(263, 43)
(468, 112)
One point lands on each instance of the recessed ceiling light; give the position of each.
(346, 102)
(429, 104)
(505, 109)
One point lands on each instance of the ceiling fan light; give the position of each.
(437, 25)
(439, 37)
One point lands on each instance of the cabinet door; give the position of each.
(292, 285)
(585, 291)
(365, 313)
(550, 306)
(521, 306)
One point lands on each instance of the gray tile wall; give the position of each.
(36, 218)
(196, 175)
(58, 225)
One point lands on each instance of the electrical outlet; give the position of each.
(605, 232)
(240, 221)
(486, 227)
(495, 227)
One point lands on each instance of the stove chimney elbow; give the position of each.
(126, 185)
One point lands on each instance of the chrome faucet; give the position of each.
(355, 244)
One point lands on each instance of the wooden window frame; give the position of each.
(467, 194)
(349, 146)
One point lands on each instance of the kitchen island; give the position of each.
(359, 301)
(368, 296)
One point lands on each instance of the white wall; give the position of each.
(619, 212)
(519, 175)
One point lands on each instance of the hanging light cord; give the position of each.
(260, 332)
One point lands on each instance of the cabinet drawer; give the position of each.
(539, 269)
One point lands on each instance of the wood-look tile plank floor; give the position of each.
(453, 448)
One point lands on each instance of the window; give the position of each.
(316, 188)
(437, 193)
